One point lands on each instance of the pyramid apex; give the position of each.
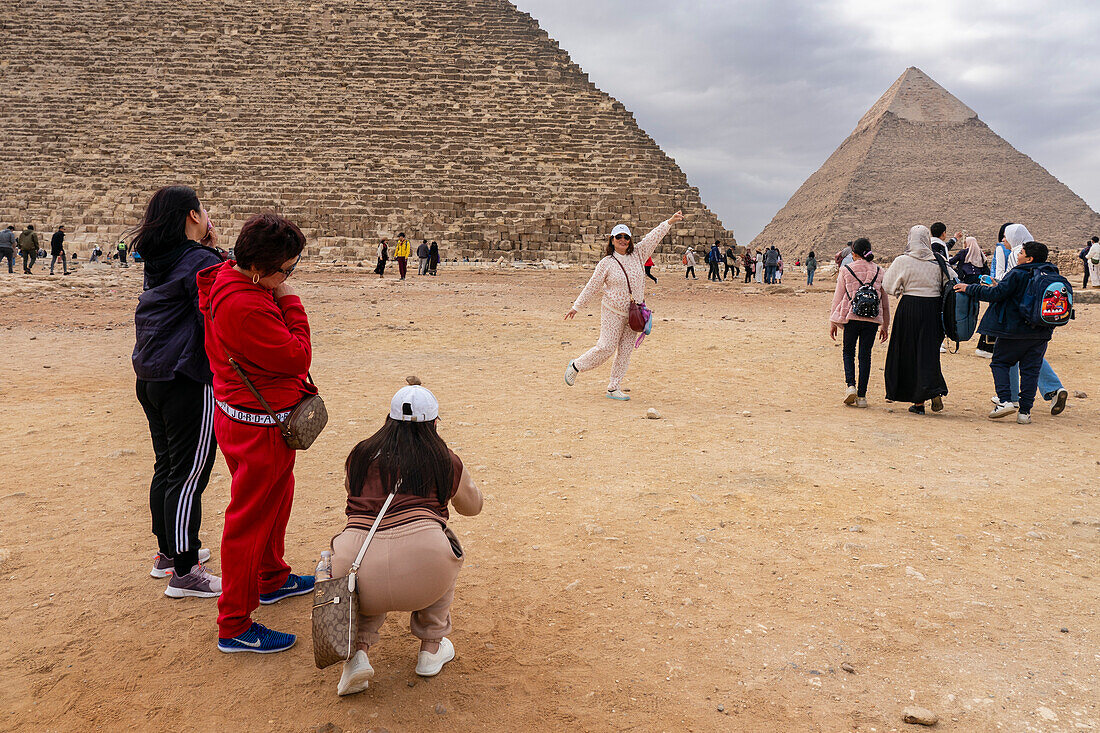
(916, 97)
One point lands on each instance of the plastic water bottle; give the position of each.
(324, 566)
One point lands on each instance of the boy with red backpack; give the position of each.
(1026, 306)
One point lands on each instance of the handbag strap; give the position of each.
(370, 535)
(628, 290)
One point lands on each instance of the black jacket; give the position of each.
(1003, 318)
(170, 334)
(57, 243)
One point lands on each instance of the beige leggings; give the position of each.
(408, 568)
(616, 339)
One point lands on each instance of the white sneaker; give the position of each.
(942, 349)
(617, 394)
(1024, 418)
(1059, 405)
(984, 354)
(861, 402)
(356, 676)
(850, 396)
(429, 665)
(1004, 409)
(571, 374)
(997, 400)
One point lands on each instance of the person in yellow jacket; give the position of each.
(401, 252)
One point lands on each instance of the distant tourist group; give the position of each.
(428, 254)
(939, 299)
(27, 244)
(766, 266)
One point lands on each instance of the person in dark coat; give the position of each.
(433, 258)
(57, 250)
(1018, 342)
(176, 240)
(7, 247)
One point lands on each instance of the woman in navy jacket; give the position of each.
(175, 240)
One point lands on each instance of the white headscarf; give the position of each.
(1017, 236)
(974, 253)
(919, 245)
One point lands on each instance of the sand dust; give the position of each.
(709, 571)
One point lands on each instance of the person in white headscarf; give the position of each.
(913, 371)
(1050, 385)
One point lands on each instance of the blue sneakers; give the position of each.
(258, 639)
(295, 585)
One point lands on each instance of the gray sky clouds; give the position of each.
(750, 98)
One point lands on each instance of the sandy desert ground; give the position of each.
(761, 558)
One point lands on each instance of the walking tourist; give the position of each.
(401, 252)
(731, 264)
(122, 250)
(7, 247)
(689, 260)
(28, 248)
(969, 262)
(779, 270)
(844, 256)
(57, 250)
(913, 371)
(1083, 255)
(771, 263)
(422, 253)
(433, 258)
(620, 278)
(414, 558)
(254, 317)
(860, 307)
(811, 267)
(1018, 343)
(714, 258)
(649, 270)
(383, 258)
(758, 266)
(1092, 263)
(176, 241)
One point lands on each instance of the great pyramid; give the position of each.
(918, 156)
(454, 120)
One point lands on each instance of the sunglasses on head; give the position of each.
(623, 236)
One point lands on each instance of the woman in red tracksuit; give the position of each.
(253, 316)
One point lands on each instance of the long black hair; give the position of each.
(410, 451)
(1001, 233)
(162, 228)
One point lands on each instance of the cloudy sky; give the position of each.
(751, 97)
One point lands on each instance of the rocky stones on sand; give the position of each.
(439, 709)
(919, 716)
(413, 380)
(847, 668)
(652, 414)
(1079, 394)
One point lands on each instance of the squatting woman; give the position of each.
(254, 318)
(620, 276)
(413, 560)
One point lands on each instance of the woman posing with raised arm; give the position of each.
(620, 276)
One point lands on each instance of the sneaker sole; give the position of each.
(302, 592)
(850, 399)
(188, 593)
(937, 404)
(154, 573)
(1003, 414)
(618, 399)
(357, 684)
(235, 649)
(1059, 403)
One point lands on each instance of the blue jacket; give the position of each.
(170, 335)
(1003, 318)
(714, 255)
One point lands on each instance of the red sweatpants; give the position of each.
(255, 521)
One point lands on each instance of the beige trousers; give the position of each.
(616, 339)
(408, 568)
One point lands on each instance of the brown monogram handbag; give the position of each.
(304, 423)
(336, 608)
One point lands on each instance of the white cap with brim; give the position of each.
(622, 229)
(414, 404)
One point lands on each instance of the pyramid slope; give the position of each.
(926, 157)
(460, 122)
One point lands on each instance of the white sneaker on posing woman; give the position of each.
(356, 676)
(429, 664)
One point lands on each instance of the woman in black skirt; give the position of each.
(913, 359)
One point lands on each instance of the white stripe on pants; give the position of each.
(202, 451)
(616, 339)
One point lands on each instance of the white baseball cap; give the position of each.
(414, 404)
(622, 229)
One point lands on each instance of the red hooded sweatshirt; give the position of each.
(269, 339)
